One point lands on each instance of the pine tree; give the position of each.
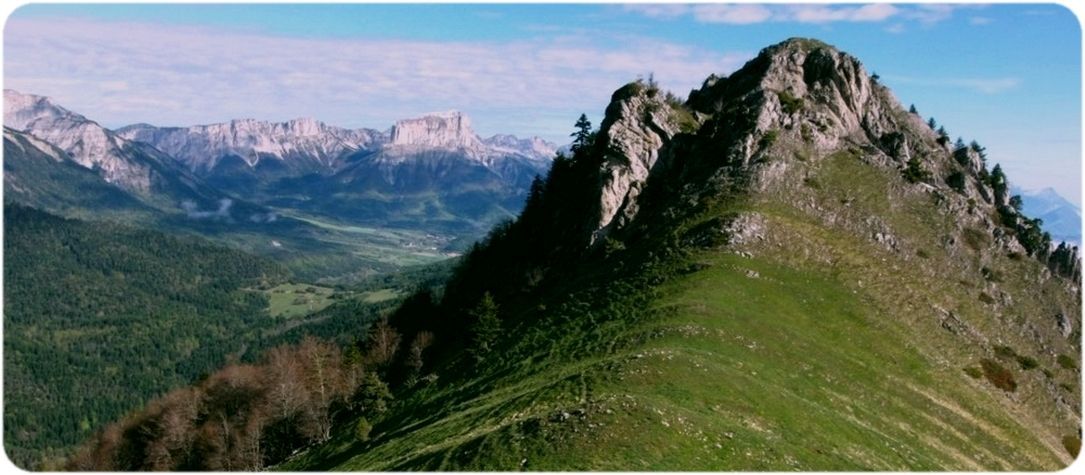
(534, 196)
(913, 110)
(914, 172)
(486, 327)
(583, 136)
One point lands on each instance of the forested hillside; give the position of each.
(98, 317)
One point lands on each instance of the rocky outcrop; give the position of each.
(638, 124)
(772, 121)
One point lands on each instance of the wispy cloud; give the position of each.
(178, 75)
(980, 85)
(749, 13)
(740, 14)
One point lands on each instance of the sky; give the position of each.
(1008, 76)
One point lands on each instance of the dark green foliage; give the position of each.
(768, 139)
(1027, 362)
(1005, 352)
(583, 137)
(1029, 232)
(922, 253)
(789, 103)
(99, 317)
(485, 328)
(961, 156)
(1072, 443)
(914, 172)
(1064, 261)
(806, 133)
(973, 372)
(931, 123)
(362, 428)
(1066, 362)
(1016, 203)
(372, 395)
(955, 180)
(998, 376)
(997, 180)
(1032, 236)
(979, 149)
(912, 109)
(612, 246)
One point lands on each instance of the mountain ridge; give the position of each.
(792, 211)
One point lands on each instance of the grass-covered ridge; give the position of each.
(846, 330)
(743, 364)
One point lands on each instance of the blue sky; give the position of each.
(1008, 76)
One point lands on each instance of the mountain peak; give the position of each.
(450, 129)
(20, 109)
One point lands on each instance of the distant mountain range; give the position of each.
(1061, 217)
(431, 175)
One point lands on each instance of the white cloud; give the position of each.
(931, 13)
(980, 20)
(824, 14)
(658, 10)
(740, 14)
(750, 13)
(120, 73)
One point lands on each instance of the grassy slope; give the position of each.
(297, 300)
(829, 357)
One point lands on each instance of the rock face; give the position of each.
(86, 142)
(304, 145)
(438, 130)
(774, 120)
(638, 124)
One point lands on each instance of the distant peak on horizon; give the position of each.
(436, 129)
